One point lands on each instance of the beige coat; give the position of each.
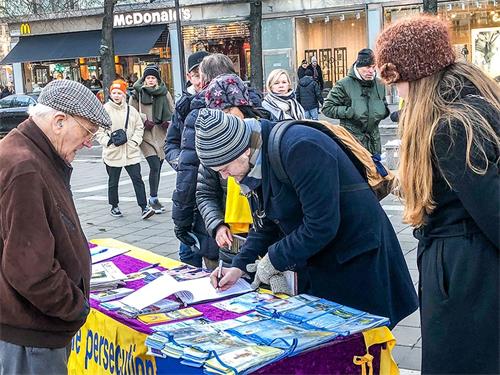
(154, 139)
(128, 153)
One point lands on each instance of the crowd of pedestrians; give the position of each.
(256, 167)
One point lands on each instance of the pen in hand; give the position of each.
(219, 274)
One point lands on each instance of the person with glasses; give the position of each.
(45, 263)
(117, 155)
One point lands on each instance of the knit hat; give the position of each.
(365, 58)
(194, 60)
(413, 48)
(120, 85)
(314, 59)
(151, 70)
(225, 91)
(220, 137)
(74, 99)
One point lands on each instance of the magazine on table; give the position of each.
(189, 292)
(361, 323)
(164, 305)
(112, 294)
(277, 307)
(245, 302)
(100, 253)
(310, 311)
(243, 359)
(105, 274)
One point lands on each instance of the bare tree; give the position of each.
(430, 6)
(107, 49)
(256, 74)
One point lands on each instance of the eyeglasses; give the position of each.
(92, 134)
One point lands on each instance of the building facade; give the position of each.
(67, 46)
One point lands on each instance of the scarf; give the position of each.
(288, 107)
(157, 96)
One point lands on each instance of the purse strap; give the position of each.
(126, 119)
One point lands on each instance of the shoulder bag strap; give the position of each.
(126, 118)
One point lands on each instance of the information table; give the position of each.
(111, 344)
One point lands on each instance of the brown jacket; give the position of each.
(44, 256)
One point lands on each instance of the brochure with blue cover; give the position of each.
(310, 311)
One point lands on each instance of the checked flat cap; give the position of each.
(74, 99)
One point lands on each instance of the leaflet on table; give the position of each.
(242, 359)
(245, 302)
(310, 311)
(100, 253)
(104, 274)
(191, 291)
(281, 305)
(335, 317)
(360, 324)
(164, 305)
(158, 318)
(111, 294)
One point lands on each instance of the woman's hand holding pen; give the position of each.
(229, 277)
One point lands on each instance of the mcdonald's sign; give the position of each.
(25, 29)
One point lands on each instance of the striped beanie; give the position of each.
(220, 137)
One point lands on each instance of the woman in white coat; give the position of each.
(122, 150)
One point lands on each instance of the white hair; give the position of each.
(40, 110)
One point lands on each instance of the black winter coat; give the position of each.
(319, 77)
(211, 194)
(342, 240)
(172, 145)
(308, 93)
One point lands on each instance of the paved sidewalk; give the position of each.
(89, 185)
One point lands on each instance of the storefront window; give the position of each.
(334, 39)
(231, 39)
(475, 30)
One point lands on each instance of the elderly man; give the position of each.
(358, 100)
(44, 255)
(324, 222)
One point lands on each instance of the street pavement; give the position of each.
(89, 186)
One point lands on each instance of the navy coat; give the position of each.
(343, 241)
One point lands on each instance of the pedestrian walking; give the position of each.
(45, 259)
(317, 72)
(155, 105)
(280, 99)
(7, 90)
(120, 148)
(309, 95)
(450, 182)
(301, 72)
(174, 135)
(358, 100)
(309, 225)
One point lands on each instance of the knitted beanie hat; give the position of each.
(220, 137)
(365, 58)
(225, 91)
(413, 48)
(118, 85)
(152, 70)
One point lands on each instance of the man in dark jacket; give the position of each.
(309, 96)
(316, 224)
(174, 133)
(44, 255)
(358, 100)
(317, 72)
(301, 72)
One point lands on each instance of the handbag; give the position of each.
(119, 136)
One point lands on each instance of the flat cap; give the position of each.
(74, 99)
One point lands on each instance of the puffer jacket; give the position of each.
(308, 93)
(130, 152)
(360, 105)
(172, 145)
(211, 192)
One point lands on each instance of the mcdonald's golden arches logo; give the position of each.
(25, 29)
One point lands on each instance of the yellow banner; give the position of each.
(105, 346)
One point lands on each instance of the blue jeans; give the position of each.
(312, 114)
(187, 255)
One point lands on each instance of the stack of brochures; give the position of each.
(106, 276)
(110, 295)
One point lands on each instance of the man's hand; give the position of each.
(265, 273)
(223, 236)
(148, 124)
(229, 277)
(182, 234)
